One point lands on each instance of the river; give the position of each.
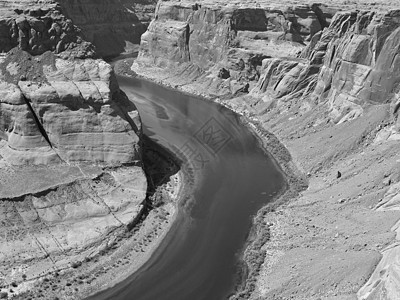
(232, 180)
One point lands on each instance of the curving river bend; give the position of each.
(199, 257)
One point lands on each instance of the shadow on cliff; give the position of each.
(124, 107)
(159, 166)
(114, 27)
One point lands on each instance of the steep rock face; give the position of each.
(72, 112)
(59, 105)
(361, 64)
(112, 26)
(355, 62)
(203, 40)
(40, 29)
(276, 54)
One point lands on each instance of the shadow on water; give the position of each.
(232, 180)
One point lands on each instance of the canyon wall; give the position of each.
(325, 79)
(275, 52)
(223, 46)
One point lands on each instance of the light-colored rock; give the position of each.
(68, 223)
(63, 120)
(74, 115)
(197, 41)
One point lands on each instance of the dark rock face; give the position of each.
(112, 26)
(42, 29)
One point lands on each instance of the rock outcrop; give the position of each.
(112, 26)
(72, 112)
(201, 40)
(349, 59)
(308, 54)
(38, 29)
(56, 228)
(58, 103)
(71, 177)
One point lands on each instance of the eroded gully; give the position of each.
(232, 180)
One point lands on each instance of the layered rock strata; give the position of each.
(65, 111)
(71, 177)
(222, 47)
(324, 79)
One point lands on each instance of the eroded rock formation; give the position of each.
(201, 40)
(66, 109)
(71, 177)
(349, 60)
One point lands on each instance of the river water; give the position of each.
(233, 179)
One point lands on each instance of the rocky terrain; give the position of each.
(320, 77)
(112, 26)
(323, 78)
(72, 182)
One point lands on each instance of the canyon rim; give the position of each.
(321, 80)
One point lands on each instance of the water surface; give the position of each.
(198, 259)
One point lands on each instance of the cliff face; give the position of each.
(112, 26)
(261, 49)
(213, 43)
(325, 79)
(65, 111)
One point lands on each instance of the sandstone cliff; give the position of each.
(69, 102)
(222, 47)
(324, 79)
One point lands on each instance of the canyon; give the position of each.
(318, 79)
(71, 162)
(323, 78)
